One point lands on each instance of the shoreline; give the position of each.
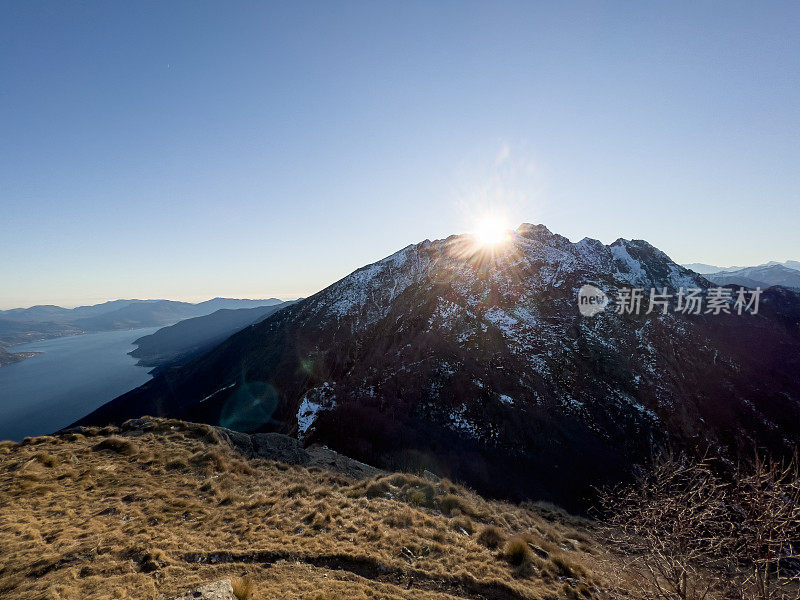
(11, 358)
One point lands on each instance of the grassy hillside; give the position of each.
(138, 513)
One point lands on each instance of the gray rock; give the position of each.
(270, 446)
(432, 477)
(241, 442)
(325, 458)
(218, 590)
(283, 448)
(540, 552)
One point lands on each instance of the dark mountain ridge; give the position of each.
(180, 343)
(475, 364)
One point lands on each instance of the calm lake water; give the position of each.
(74, 376)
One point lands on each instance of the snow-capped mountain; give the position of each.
(476, 363)
(706, 269)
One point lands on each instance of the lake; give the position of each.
(72, 377)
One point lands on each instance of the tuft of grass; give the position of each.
(216, 461)
(517, 552)
(177, 464)
(491, 536)
(376, 489)
(423, 495)
(297, 490)
(7, 446)
(564, 567)
(117, 444)
(451, 503)
(48, 460)
(400, 518)
(242, 587)
(463, 523)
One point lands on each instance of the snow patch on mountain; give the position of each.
(373, 287)
(633, 271)
(315, 400)
(211, 395)
(460, 422)
(502, 320)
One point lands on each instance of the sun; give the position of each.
(491, 231)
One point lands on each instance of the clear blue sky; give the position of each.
(194, 149)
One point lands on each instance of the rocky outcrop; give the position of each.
(268, 446)
(282, 448)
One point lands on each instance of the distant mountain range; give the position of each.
(21, 325)
(705, 269)
(475, 363)
(772, 273)
(180, 343)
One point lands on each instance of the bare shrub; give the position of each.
(685, 532)
(669, 526)
(766, 547)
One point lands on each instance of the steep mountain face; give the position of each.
(476, 364)
(763, 276)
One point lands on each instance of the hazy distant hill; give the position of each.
(705, 269)
(21, 332)
(763, 276)
(21, 325)
(187, 339)
(51, 313)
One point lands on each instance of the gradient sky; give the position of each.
(195, 149)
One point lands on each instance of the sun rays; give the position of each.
(491, 231)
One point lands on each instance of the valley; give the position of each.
(25, 325)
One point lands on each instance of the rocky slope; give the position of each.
(475, 363)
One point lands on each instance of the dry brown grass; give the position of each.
(242, 587)
(491, 536)
(107, 514)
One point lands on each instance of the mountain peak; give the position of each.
(482, 351)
